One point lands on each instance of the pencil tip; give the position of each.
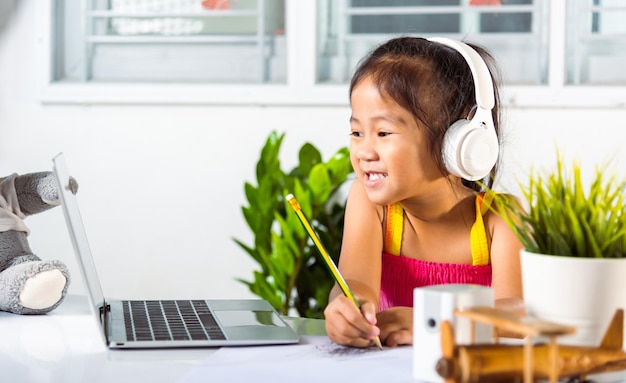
(377, 342)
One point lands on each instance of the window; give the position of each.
(171, 41)
(302, 52)
(513, 31)
(596, 44)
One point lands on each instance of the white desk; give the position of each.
(65, 346)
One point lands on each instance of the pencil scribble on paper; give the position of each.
(335, 350)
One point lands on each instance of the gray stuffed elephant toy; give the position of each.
(28, 285)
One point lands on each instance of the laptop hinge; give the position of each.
(106, 308)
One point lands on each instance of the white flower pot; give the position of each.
(581, 292)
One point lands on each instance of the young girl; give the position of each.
(431, 226)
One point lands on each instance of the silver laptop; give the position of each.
(167, 323)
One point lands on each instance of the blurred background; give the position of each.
(162, 108)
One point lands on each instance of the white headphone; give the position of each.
(470, 147)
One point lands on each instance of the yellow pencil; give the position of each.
(327, 259)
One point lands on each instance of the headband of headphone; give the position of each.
(470, 147)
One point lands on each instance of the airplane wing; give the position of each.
(504, 320)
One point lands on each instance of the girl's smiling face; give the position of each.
(388, 148)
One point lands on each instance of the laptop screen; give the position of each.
(78, 234)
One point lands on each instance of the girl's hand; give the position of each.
(346, 325)
(396, 326)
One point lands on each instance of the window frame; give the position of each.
(301, 88)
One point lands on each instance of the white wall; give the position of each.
(161, 186)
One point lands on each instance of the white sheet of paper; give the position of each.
(316, 359)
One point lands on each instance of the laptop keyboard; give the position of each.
(170, 320)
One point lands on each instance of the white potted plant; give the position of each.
(574, 257)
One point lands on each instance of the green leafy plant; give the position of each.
(292, 275)
(562, 218)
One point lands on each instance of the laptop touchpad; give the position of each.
(248, 318)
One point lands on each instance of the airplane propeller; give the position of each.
(445, 365)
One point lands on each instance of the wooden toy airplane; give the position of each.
(530, 360)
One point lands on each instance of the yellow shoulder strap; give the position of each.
(393, 229)
(478, 234)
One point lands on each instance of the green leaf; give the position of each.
(320, 184)
(308, 156)
(339, 166)
(269, 162)
(251, 251)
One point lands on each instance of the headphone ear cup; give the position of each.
(470, 149)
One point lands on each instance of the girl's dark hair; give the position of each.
(434, 83)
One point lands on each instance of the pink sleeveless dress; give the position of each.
(400, 275)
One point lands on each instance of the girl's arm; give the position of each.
(360, 265)
(505, 262)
